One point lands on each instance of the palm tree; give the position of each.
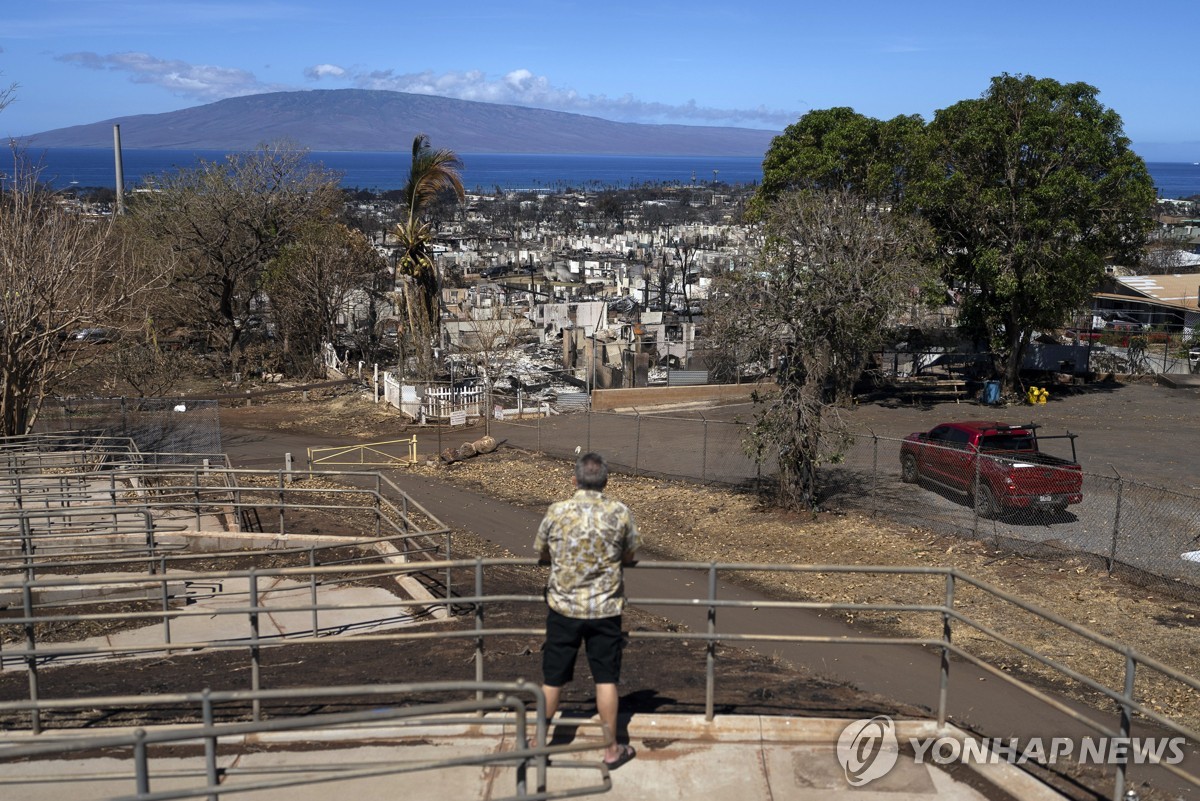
(432, 172)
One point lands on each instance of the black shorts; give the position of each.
(604, 642)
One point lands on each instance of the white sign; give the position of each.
(458, 418)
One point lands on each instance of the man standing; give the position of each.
(587, 541)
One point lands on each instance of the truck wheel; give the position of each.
(908, 469)
(985, 504)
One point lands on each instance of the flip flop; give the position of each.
(627, 753)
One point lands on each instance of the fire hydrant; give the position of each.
(1037, 395)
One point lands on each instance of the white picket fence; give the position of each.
(441, 402)
(432, 403)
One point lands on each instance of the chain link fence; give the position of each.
(1153, 530)
(161, 426)
(693, 448)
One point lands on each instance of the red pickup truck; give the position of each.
(998, 465)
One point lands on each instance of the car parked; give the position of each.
(997, 465)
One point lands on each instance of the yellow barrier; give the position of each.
(335, 455)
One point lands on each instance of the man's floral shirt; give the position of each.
(587, 536)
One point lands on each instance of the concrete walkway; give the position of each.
(747, 758)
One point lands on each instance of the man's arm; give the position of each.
(633, 541)
(541, 543)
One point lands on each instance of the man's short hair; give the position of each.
(591, 472)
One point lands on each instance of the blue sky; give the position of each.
(758, 64)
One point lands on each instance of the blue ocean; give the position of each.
(64, 167)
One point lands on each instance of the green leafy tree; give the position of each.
(840, 149)
(835, 269)
(1029, 190)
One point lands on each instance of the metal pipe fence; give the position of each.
(140, 511)
(89, 450)
(951, 633)
(158, 491)
(511, 701)
(1147, 530)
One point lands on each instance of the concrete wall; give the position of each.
(647, 397)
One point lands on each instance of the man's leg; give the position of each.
(605, 642)
(558, 657)
(552, 696)
(607, 704)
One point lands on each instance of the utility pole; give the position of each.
(120, 170)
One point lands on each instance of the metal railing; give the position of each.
(511, 700)
(1143, 677)
(90, 450)
(78, 501)
(141, 505)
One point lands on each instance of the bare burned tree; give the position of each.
(311, 285)
(833, 272)
(494, 346)
(60, 272)
(224, 222)
(143, 366)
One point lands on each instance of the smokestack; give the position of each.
(120, 169)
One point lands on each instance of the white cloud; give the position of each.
(201, 81)
(320, 71)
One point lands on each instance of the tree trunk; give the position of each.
(1018, 343)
